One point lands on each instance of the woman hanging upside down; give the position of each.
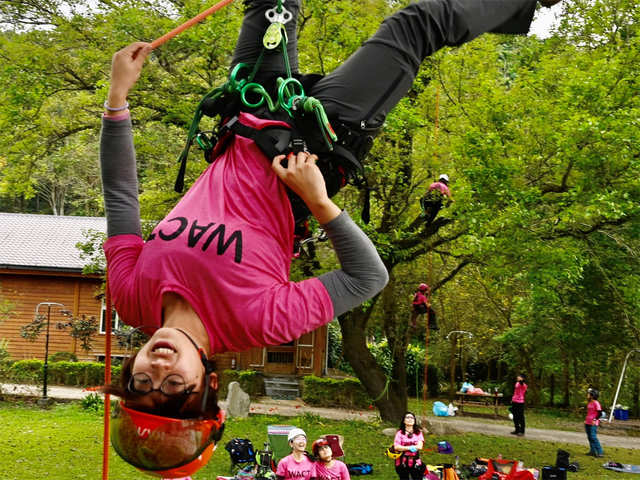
(214, 274)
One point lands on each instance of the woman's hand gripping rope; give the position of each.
(303, 176)
(126, 66)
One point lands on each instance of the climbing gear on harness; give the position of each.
(230, 97)
(341, 154)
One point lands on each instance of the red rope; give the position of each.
(189, 23)
(107, 381)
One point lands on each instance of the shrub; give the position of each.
(347, 392)
(26, 371)
(63, 357)
(93, 402)
(250, 381)
(61, 373)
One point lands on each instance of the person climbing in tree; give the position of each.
(435, 197)
(213, 276)
(420, 304)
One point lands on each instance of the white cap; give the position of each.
(295, 433)
(444, 177)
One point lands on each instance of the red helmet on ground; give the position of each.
(423, 287)
(162, 446)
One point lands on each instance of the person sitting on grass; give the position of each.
(298, 465)
(328, 468)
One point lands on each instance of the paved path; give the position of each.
(292, 408)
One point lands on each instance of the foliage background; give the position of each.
(538, 255)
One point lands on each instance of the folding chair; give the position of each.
(277, 435)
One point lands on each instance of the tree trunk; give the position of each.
(452, 369)
(565, 378)
(532, 380)
(391, 403)
(636, 397)
(552, 389)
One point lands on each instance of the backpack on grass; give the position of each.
(360, 468)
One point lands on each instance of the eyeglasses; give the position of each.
(173, 385)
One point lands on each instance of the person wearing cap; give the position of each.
(420, 304)
(433, 200)
(298, 465)
(328, 468)
(591, 422)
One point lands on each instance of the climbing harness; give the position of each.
(309, 125)
(240, 89)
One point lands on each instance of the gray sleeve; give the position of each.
(119, 178)
(362, 275)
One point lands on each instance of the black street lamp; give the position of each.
(44, 401)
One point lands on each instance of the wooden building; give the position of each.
(39, 262)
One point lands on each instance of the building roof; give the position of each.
(44, 242)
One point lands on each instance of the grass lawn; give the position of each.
(65, 443)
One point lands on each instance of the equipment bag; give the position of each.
(360, 468)
(562, 459)
(241, 450)
(554, 473)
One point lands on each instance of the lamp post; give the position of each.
(624, 367)
(44, 401)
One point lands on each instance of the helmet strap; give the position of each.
(208, 368)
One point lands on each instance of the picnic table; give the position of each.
(478, 399)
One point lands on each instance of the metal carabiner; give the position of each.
(283, 17)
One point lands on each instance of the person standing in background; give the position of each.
(517, 405)
(591, 422)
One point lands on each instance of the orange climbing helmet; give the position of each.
(162, 446)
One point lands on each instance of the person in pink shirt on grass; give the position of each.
(517, 405)
(328, 468)
(409, 440)
(298, 465)
(591, 422)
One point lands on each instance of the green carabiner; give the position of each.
(233, 84)
(287, 95)
(264, 96)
